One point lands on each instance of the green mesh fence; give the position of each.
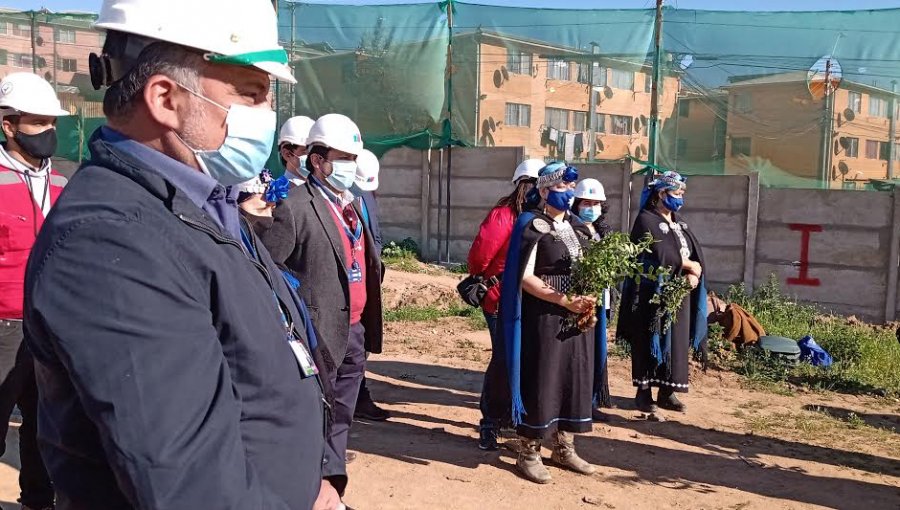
(807, 99)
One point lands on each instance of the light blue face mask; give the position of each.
(343, 174)
(247, 145)
(302, 171)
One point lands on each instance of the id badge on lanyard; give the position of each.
(304, 358)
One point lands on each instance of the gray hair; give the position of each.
(177, 62)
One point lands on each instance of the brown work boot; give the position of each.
(564, 454)
(529, 462)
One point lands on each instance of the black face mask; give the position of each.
(41, 145)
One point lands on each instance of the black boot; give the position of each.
(667, 400)
(487, 437)
(367, 409)
(644, 401)
(599, 416)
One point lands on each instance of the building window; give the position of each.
(557, 69)
(681, 147)
(518, 114)
(557, 118)
(21, 60)
(896, 145)
(3, 28)
(684, 108)
(877, 150)
(743, 103)
(622, 80)
(69, 65)
(878, 107)
(599, 76)
(65, 36)
(855, 100)
(621, 124)
(648, 83)
(579, 121)
(740, 147)
(4, 57)
(21, 30)
(518, 62)
(852, 147)
(599, 123)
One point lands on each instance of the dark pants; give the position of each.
(346, 382)
(19, 388)
(495, 400)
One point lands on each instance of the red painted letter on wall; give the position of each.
(805, 232)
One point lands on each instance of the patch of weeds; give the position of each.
(865, 356)
(473, 316)
(619, 350)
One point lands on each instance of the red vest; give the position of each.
(20, 220)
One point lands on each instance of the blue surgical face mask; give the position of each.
(343, 174)
(673, 203)
(590, 214)
(247, 145)
(302, 171)
(561, 200)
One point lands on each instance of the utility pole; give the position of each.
(592, 108)
(55, 59)
(827, 128)
(654, 88)
(33, 42)
(293, 87)
(892, 130)
(449, 117)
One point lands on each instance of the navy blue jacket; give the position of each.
(165, 375)
(369, 210)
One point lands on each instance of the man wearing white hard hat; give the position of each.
(292, 148)
(171, 368)
(28, 188)
(319, 235)
(363, 191)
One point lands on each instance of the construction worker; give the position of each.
(318, 235)
(28, 189)
(363, 191)
(173, 368)
(292, 148)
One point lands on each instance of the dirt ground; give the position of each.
(735, 448)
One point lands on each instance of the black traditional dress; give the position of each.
(665, 364)
(551, 365)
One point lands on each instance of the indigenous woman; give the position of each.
(487, 258)
(549, 358)
(660, 346)
(590, 206)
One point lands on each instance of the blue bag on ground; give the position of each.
(813, 353)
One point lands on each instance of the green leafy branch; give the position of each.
(669, 299)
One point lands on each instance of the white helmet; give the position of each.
(295, 130)
(242, 32)
(29, 93)
(590, 189)
(367, 168)
(528, 168)
(336, 131)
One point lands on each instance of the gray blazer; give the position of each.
(305, 240)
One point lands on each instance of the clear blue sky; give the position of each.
(742, 5)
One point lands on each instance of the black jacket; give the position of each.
(305, 239)
(165, 375)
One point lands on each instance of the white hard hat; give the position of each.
(336, 131)
(367, 168)
(590, 189)
(528, 168)
(242, 32)
(295, 130)
(29, 93)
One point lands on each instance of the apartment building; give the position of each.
(56, 47)
(537, 95)
(776, 119)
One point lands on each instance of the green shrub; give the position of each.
(865, 356)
